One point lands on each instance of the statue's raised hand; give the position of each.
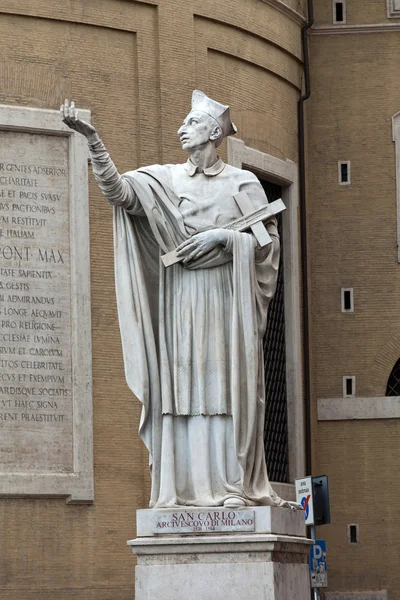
(69, 115)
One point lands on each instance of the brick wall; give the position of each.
(352, 236)
(134, 65)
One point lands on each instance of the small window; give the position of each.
(349, 386)
(353, 535)
(339, 12)
(347, 300)
(344, 172)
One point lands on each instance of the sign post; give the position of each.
(312, 494)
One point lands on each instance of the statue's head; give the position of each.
(208, 122)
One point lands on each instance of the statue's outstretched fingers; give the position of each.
(66, 112)
(74, 116)
(77, 123)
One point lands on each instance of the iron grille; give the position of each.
(275, 427)
(393, 384)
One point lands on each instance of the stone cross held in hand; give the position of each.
(252, 219)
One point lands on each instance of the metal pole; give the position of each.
(303, 233)
(313, 533)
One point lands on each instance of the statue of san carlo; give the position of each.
(192, 332)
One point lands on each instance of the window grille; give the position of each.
(275, 428)
(393, 384)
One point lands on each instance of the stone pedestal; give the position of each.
(268, 563)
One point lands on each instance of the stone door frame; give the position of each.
(285, 174)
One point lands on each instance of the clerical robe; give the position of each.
(192, 334)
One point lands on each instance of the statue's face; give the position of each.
(197, 130)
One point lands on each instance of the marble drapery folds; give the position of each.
(192, 336)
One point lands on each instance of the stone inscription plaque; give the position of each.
(35, 304)
(203, 521)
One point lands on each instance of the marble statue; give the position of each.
(192, 332)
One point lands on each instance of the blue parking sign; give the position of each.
(318, 565)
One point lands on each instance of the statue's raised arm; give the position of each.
(114, 187)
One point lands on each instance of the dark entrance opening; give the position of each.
(276, 428)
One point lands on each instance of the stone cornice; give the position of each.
(358, 409)
(353, 29)
(287, 10)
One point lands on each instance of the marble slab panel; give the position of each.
(35, 304)
(259, 519)
(45, 347)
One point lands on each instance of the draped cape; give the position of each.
(138, 272)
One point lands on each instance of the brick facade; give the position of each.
(353, 243)
(134, 65)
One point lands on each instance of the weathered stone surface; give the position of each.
(45, 390)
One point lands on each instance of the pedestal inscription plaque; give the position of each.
(203, 521)
(45, 387)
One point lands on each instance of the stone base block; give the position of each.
(238, 566)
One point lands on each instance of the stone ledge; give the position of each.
(354, 408)
(231, 543)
